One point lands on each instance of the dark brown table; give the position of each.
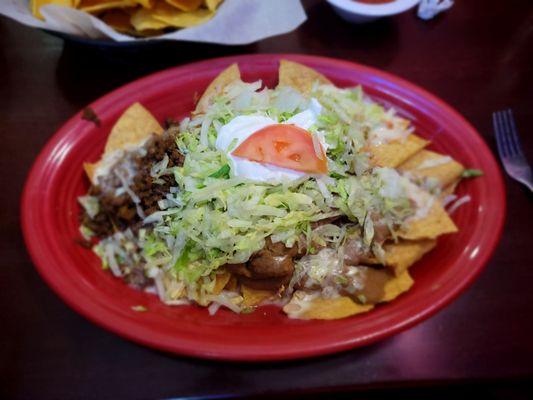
(476, 57)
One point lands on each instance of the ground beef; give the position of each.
(273, 266)
(143, 186)
(118, 213)
(115, 213)
(268, 269)
(273, 261)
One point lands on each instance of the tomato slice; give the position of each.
(283, 145)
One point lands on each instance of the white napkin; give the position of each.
(427, 9)
(235, 22)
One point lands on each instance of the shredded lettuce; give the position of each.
(349, 122)
(86, 233)
(211, 218)
(90, 204)
(222, 173)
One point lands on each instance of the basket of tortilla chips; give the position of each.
(308, 196)
(213, 21)
(140, 17)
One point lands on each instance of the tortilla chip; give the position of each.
(185, 5)
(168, 16)
(212, 4)
(254, 297)
(299, 77)
(216, 87)
(118, 19)
(395, 153)
(35, 5)
(221, 281)
(437, 222)
(450, 189)
(143, 21)
(90, 169)
(400, 256)
(232, 284)
(134, 126)
(94, 6)
(397, 286)
(178, 19)
(445, 173)
(321, 308)
(146, 3)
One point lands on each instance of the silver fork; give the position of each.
(509, 147)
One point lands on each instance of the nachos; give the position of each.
(309, 196)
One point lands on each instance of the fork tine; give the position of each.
(499, 134)
(504, 132)
(506, 135)
(513, 133)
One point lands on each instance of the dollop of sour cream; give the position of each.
(231, 135)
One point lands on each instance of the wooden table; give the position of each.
(476, 57)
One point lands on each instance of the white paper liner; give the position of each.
(236, 22)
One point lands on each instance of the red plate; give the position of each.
(50, 210)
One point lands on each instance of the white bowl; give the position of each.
(354, 11)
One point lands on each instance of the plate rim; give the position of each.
(251, 355)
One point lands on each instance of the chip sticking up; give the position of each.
(299, 77)
(134, 126)
(216, 87)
